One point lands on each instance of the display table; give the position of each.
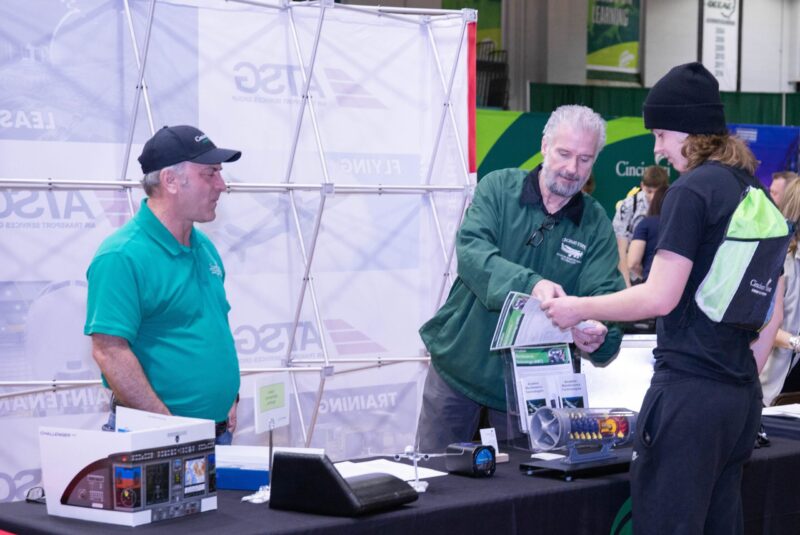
(507, 503)
(778, 426)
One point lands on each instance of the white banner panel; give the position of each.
(721, 41)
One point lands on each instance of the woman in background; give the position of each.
(645, 237)
(787, 341)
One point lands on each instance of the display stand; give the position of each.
(589, 437)
(415, 456)
(517, 435)
(536, 377)
(619, 461)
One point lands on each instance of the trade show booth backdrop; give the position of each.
(513, 139)
(337, 231)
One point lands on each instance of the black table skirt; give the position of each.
(507, 503)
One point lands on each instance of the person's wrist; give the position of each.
(794, 343)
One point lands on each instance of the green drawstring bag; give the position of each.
(739, 288)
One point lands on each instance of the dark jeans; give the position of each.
(448, 416)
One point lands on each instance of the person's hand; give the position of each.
(545, 289)
(232, 416)
(562, 311)
(589, 335)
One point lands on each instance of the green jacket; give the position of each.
(579, 253)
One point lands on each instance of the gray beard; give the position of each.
(566, 190)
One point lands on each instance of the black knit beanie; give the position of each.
(686, 99)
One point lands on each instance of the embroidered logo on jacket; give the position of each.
(571, 251)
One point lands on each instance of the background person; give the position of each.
(591, 184)
(531, 232)
(633, 209)
(642, 249)
(157, 311)
(786, 347)
(780, 181)
(700, 416)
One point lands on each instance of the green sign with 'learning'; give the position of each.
(612, 44)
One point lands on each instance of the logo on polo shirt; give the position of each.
(571, 251)
(215, 270)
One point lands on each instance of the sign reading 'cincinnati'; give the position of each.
(627, 169)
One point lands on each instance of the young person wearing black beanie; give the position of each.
(700, 416)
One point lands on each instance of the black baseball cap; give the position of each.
(182, 143)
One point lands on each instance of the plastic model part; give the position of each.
(579, 430)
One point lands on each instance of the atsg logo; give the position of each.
(271, 79)
(44, 209)
(273, 339)
(15, 486)
(34, 209)
(274, 82)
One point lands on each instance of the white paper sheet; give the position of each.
(385, 466)
(792, 411)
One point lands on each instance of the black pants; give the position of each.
(693, 437)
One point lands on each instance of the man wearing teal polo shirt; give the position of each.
(157, 311)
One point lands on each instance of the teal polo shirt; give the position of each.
(168, 301)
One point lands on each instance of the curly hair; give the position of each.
(723, 148)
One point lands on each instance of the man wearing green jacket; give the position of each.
(531, 232)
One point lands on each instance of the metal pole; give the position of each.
(446, 110)
(448, 89)
(383, 14)
(145, 91)
(383, 10)
(449, 261)
(313, 423)
(139, 87)
(299, 407)
(307, 256)
(306, 282)
(257, 4)
(280, 187)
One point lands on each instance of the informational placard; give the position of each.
(543, 377)
(721, 41)
(271, 402)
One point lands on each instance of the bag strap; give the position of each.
(740, 174)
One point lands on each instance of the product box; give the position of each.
(155, 467)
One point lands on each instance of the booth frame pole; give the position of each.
(308, 255)
(139, 87)
(447, 86)
(233, 187)
(136, 55)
